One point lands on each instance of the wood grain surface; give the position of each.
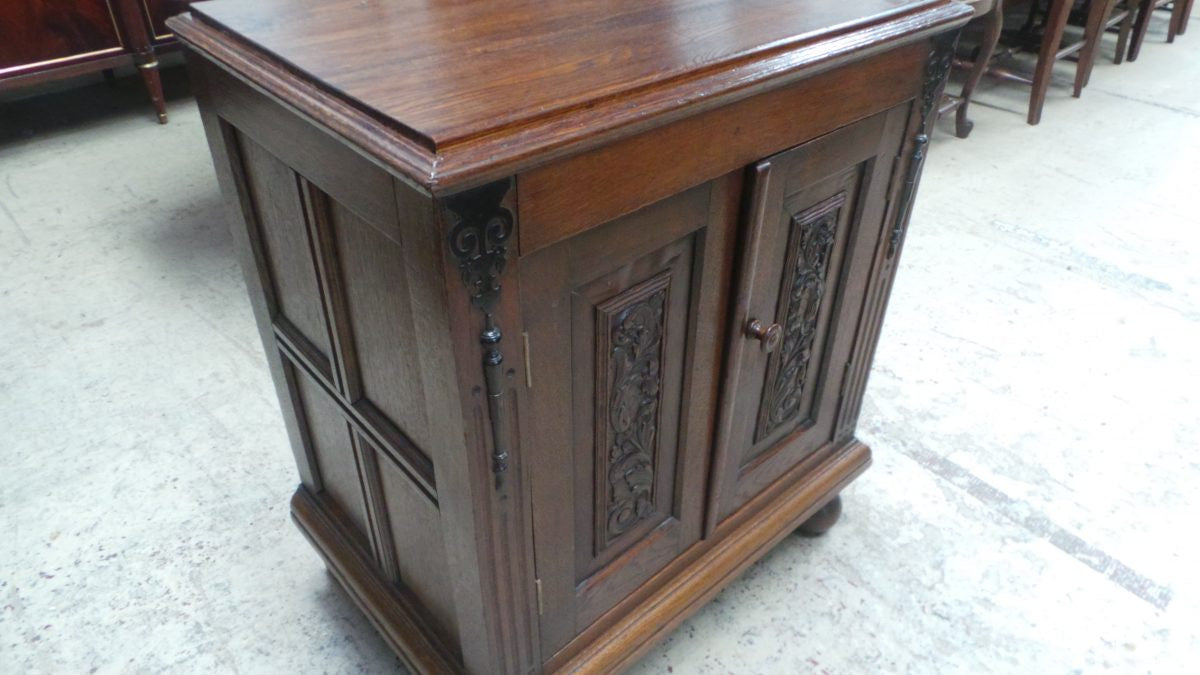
(453, 94)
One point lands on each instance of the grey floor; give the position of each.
(1033, 409)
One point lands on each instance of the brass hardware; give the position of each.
(537, 583)
(61, 59)
(528, 369)
(769, 336)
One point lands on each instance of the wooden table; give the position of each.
(570, 306)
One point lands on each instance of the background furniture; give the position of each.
(1181, 11)
(47, 39)
(549, 386)
(1102, 16)
(1047, 38)
(991, 14)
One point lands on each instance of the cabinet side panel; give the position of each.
(376, 284)
(420, 549)
(346, 278)
(330, 438)
(282, 235)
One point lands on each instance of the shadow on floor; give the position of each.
(92, 102)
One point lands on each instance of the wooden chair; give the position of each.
(1185, 13)
(991, 14)
(1121, 19)
(1100, 15)
(1111, 14)
(1181, 10)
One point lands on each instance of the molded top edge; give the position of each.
(449, 91)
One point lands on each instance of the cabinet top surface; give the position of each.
(443, 72)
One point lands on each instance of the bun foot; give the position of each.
(820, 522)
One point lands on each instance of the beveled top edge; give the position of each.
(510, 149)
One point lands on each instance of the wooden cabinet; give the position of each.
(570, 309)
(49, 39)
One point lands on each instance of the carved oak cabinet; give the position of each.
(569, 305)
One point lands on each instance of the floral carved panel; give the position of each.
(805, 283)
(630, 336)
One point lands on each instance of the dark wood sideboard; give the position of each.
(42, 40)
(570, 306)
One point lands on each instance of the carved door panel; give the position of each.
(620, 376)
(814, 221)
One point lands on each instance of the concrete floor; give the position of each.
(1033, 506)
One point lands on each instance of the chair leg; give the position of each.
(1123, 33)
(1177, 9)
(1056, 23)
(1097, 15)
(1188, 5)
(1145, 9)
(987, 47)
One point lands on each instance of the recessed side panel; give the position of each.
(383, 361)
(415, 533)
(333, 447)
(285, 246)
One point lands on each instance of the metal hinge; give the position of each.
(845, 383)
(893, 190)
(537, 584)
(528, 368)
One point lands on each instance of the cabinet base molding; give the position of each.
(641, 628)
(398, 620)
(396, 616)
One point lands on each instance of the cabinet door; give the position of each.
(814, 222)
(622, 355)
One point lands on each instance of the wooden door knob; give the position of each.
(768, 335)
